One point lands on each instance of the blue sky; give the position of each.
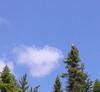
(51, 26)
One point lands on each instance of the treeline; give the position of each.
(8, 83)
(75, 77)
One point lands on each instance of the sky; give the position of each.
(36, 36)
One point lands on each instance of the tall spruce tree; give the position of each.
(57, 85)
(7, 81)
(23, 84)
(96, 87)
(76, 78)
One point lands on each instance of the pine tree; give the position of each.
(76, 78)
(23, 84)
(57, 85)
(7, 81)
(96, 87)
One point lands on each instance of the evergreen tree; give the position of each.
(57, 85)
(89, 85)
(7, 81)
(35, 89)
(23, 84)
(31, 89)
(96, 87)
(76, 78)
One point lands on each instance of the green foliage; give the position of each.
(96, 87)
(89, 85)
(23, 84)
(35, 89)
(7, 77)
(7, 81)
(76, 78)
(57, 85)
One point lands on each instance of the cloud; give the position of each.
(3, 63)
(40, 61)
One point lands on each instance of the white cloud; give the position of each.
(40, 61)
(3, 63)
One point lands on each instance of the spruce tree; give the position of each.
(76, 78)
(7, 81)
(23, 84)
(96, 87)
(57, 85)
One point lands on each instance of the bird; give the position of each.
(73, 46)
